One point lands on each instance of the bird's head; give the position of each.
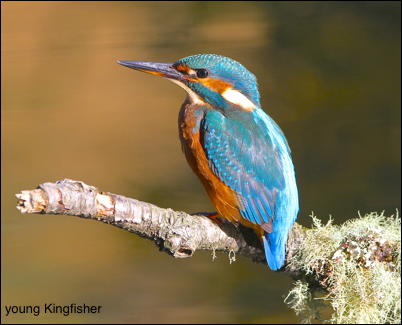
(218, 81)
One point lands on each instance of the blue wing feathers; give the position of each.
(274, 252)
(245, 164)
(248, 157)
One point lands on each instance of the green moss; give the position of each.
(358, 264)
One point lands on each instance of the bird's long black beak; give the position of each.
(159, 69)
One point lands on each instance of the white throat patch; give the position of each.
(191, 94)
(237, 98)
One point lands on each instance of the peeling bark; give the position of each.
(175, 232)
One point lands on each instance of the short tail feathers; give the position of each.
(274, 251)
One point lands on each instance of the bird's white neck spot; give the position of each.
(237, 98)
(191, 94)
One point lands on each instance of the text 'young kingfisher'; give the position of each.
(239, 153)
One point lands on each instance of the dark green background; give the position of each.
(329, 74)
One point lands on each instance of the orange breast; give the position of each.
(222, 196)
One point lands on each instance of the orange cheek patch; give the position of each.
(215, 84)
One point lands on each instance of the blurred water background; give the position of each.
(329, 74)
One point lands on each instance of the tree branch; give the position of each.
(357, 263)
(175, 232)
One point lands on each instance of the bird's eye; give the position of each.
(202, 73)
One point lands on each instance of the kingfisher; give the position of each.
(238, 152)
